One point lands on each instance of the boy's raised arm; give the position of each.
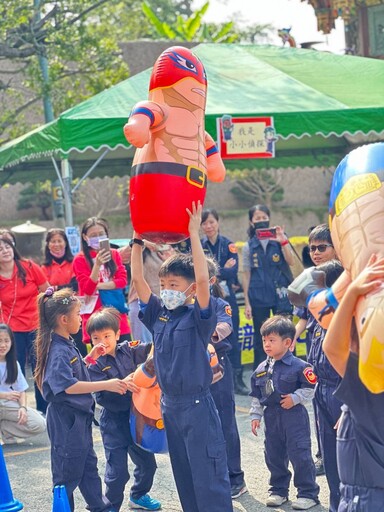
(198, 256)
(137, 273)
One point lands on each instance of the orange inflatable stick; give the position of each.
(175, 156)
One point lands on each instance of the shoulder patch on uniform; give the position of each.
(134, 343)
(74, 359)
(261, 374)
(309, 374)
(228, 310)
(232, 248)
(106, 368)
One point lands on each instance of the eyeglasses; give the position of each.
(320, 248)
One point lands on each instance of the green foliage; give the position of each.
(37, 194)
(191, 28)
(258, 186)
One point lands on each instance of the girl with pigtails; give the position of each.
(62, 376)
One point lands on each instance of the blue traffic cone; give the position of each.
(60, 499)
(7, 502)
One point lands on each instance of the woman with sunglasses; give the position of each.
(266, 262)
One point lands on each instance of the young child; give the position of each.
(181, 332)
(223, 392)
(17, 422)
(120, 361)
(280, 386)
(63, 378)
(360, 433)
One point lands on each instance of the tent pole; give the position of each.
(89, 171)
(66, 174)
(65, 182)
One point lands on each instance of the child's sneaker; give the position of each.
(144, 502)
(238, 490)
(274, 500)
(303, 503)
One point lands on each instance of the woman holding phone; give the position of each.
(98, 267)
(267, 256)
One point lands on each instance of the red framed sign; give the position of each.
(246, 137)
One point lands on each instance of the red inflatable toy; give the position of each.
(175, 154)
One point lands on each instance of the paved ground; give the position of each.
(28, 468)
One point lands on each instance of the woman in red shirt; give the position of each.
(21, 280)
(58, 260)
(97, 269)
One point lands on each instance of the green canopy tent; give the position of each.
(321, 103)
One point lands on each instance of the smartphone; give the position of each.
(104, 244)
(266, 234)
(163, 247)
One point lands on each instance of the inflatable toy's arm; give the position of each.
(144, 116)
(215, 165)
(323, 304)
(217, 369)
(308, 282)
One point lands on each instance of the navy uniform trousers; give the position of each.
(329, 411)
(283, 443)
(73, 459)
(118, 444)
(197, 452)
(224, 398)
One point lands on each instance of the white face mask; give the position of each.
(173, 299)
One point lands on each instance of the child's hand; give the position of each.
(286, 402)
(22, 416)
(370, 278)
(131, 386)
(116, 386)
(194, 217)
(12, 395)
(231, 262)
(248, 312)
(97, 351)
(255, 425)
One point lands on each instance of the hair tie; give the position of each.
(49, 291)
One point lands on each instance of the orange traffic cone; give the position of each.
(60, 499)
(7, 502)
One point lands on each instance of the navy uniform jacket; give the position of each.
(269, 271)
(360, 436)
(64, 368)
(289, 375)
(222, 251)
(107, 367)
(181, 338)
(224, 314)
(324, 371)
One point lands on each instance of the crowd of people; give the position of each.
(84, 328)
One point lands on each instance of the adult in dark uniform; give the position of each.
(360, 434)
(182, 331)
(120, 361)
(225, 253)
(266, 275)
(280, 386)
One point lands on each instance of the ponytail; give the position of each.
(51, 305)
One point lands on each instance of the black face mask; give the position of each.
(261, 224)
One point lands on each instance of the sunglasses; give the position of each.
(320, 248)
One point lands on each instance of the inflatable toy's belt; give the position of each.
(159, 424)
(193, 175)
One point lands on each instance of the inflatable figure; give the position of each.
(175, 154)
(356, 219)
(146, 423)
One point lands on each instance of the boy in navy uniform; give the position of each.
(182, 330)
(120, 361)
(280, 385)
(360, 433)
